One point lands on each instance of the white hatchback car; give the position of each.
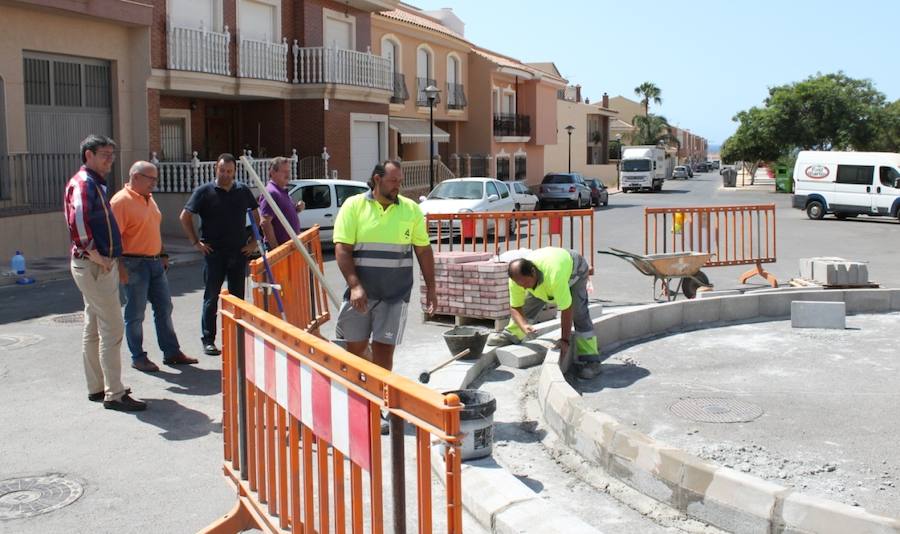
(525, 199)
(323, 199)
(467, 195)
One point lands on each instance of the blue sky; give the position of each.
(711, 58)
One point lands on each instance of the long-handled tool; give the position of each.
(294, 238)
(425, 376)
(269, 284)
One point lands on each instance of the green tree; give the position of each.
(648, 91)
(652, 130)
(754, 142)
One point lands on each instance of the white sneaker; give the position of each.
(589, 370)
(502, 338)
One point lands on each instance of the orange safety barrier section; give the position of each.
(733, 235)
(301, 422)
(499, 232)
(306, 303)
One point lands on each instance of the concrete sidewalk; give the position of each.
(57, 267)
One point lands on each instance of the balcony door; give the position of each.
(195, 14)
(339, 30)
(259, 21)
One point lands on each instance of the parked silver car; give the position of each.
(680, 172)
(564, 189)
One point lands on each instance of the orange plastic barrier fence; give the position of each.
(499, 232)
(733, 235)
(301, 422)
(305, 304)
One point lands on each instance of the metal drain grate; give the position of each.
(31, 496)
(69, 318)
(716, 410)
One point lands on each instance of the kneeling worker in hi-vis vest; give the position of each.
(556, 276)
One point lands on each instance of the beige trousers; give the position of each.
(104, 327)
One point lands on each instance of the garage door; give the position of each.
(365, 149)
(65, 100)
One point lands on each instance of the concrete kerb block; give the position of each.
(741, 308)
(666, 317)
(723, 293)
(538, 516)
(809, 514)
(608, 330)
(868, 300)
(715, 494)
(778, 304)
(524, 355)
(595, 436)
(635, 324)
(701, 312)
(818, 315)
(895, 299)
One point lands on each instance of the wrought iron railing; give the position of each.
(421, 95)
(456, 96)
(401, 93)
(512, 125)
(35, 183)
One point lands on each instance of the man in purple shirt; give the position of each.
(279, 176)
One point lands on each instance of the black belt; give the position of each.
(139, 257)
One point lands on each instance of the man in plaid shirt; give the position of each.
(96, 248)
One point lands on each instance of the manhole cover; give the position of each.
(31, 496)
(69, 318)
(18, 341)
(716, 410)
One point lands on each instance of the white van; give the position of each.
(847, 184)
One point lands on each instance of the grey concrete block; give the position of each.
(818, 315)
(635, 324)
(839, 272)
(740, 308)
(488, 489)
(701, 312)
(538, 516)
(868, 300)
(666, 317)
(895, 299)
(522, 356)
(810, 514)
(723, 293)
(608, 330)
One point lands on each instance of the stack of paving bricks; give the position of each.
(470, 285)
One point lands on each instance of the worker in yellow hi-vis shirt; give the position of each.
(557, 276)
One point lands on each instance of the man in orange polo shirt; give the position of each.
(142, 271)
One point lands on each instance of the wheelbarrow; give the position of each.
(664, 268)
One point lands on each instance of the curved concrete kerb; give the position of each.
(723, 497)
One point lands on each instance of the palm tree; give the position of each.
(652, 130)
(648, 91)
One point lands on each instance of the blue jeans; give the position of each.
(147, 281)
(219, 266)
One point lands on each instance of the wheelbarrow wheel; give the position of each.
(690, 285)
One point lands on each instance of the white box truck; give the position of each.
(847, 184)
(644, 168)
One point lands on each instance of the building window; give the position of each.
(424, 75)
(456, 96)
(37, 82)
(503, 169)
(390, 50)
(65, 83)
(520, 167)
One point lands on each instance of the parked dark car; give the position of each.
(599, 194)
(701, 167)
(564, 189)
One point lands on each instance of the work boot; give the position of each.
(385, 424)
(588, 371)
(502, 338)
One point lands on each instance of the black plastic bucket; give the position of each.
(476, 422)
(466, 337)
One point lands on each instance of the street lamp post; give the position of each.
(569, 129)
(431, 92)
(619, 158)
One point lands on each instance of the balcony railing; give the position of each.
(185, 176)
(401, 94)
(456, 96)
(512, 125)
(199, 50)
(421, 97)
(263, 60)
(317, 65)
